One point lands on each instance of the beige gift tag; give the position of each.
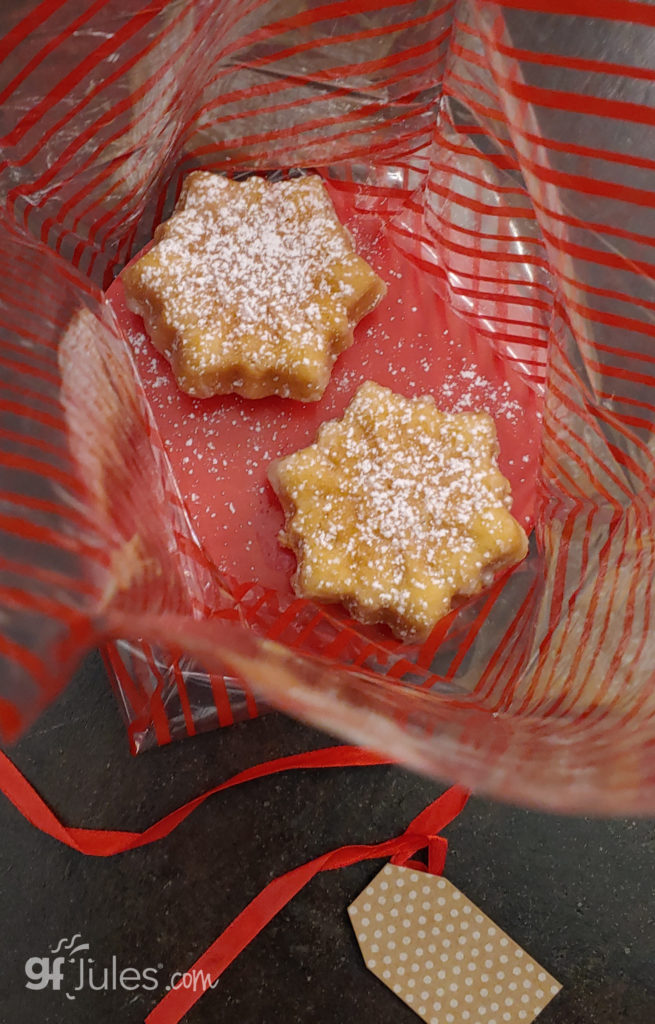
(442, 956)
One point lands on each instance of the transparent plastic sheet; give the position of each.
(522, 196)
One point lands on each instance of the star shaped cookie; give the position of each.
(397, 510)
(252, 287)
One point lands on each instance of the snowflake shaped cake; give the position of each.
(252, 287)
(398, 510)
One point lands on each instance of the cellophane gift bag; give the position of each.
(494, 162)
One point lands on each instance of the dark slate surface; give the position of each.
(578, 894)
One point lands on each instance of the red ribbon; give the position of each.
(422, 831)
(98, 842)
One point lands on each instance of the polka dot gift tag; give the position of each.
(442, 956)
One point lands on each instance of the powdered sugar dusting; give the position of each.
(251, 287)
(471, 390)
(397, 508)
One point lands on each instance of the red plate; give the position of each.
(220, 448)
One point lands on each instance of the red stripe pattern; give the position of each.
(90, 515)
(507, 146)
(88, 164)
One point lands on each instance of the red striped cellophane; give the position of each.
(509, 148)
